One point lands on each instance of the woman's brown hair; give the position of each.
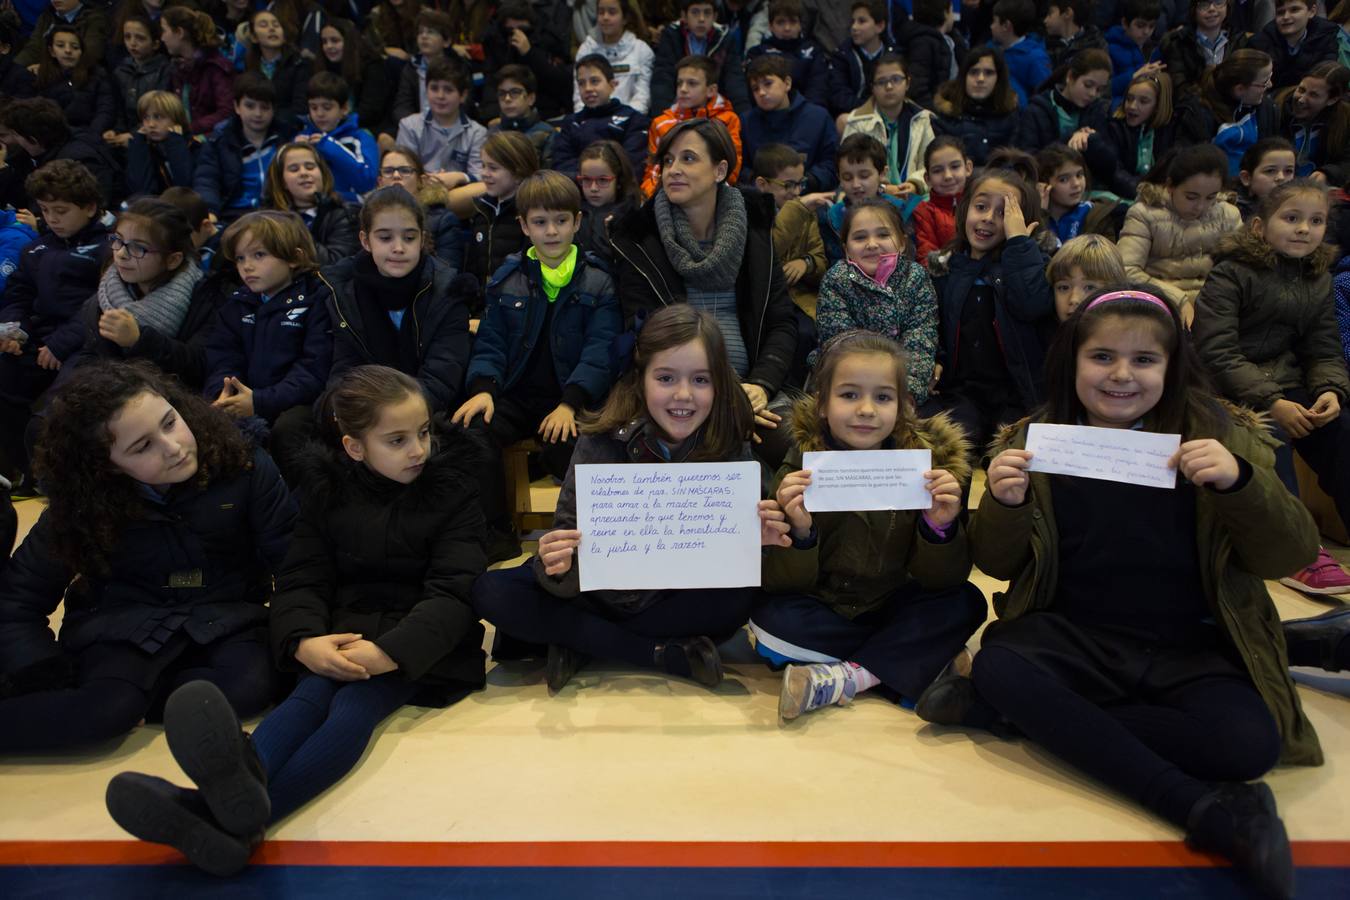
(90, 500)
(731, 420)
(198, 27)
(1001, 102)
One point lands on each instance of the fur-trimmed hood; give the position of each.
(1151, 194)
(1245, 247)
(951, 449)
(328, 477)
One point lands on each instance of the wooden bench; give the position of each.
(516, 461)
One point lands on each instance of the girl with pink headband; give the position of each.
(1137, 640)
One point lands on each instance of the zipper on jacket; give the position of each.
(650, 283)
(342, 318)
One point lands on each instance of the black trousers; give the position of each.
(1155, 723)
(1326, 450)
(22, 382)
(906, 643)
(978, 413)
(513, 601)
(118, 685)
(515, 420)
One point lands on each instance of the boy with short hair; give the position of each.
(1297, 39)
(435, 34)
(696, 33)
(1080, 268)
(517, 90)
(850, 68)
(54, 276)
(232, 163)
(449, 143)
(90, 21)
(602, 117)
(1012, 29)
(780, 171)
(810, 62)
(781, 116)
(933, 49)
(517, 36)
(1069, 28)
(1131, 43)
(696, 96)
(862, 169)
(333, 129)
(541, 355)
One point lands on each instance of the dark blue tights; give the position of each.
(319, 732)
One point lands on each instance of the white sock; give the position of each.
(862, 679)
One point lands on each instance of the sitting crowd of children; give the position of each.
(275, 284)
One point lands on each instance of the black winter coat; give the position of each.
(201, 563)
(153, 167)
(392, 562)
(1196, 123)
(134, 79)
(491, 235)
(1038, 124)
(90, 107)
(1320, 44)
(673, 46)
(647, 281)
(433, 341)
(981, 130)
(1180, 50)
(1113, 155)
(929, 61)
(335, 230)
(291, 80)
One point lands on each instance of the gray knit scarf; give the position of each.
(716, 268)
(163, 309)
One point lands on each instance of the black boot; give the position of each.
(563, 663)
(949, 700)
(1239, 822)
(157, 811)
(695, 658)
(205, 737)
(1320, 640)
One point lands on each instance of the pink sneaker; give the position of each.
(1325, 576)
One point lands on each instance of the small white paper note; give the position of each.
(1111, 454)
(668, 525)
(847, 480)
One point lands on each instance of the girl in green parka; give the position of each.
(1137, 640)
(867, 599)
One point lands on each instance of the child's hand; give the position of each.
(1014, 221)
(557, 550)
(120, 327)
(236, 399)
(1327, 408)
(320, 655)
(1079, 139)
(792, 500)
(1206, 462)
(47, 359)
(773, 526)
(817, 201)
(478, 403)
(937, 376)
(1293, 417)
(396, 53)
(368, 656)
(904, 189)
(11, 346)
(27, 217)
(559, 425)
(1008, 478)
(451, 180)
(1149, 69)
(520, 42)
(946, 491)
(793, 270)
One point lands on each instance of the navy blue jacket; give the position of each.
(585, 323)
(810, 65)
(281, 350)
(153, 167)
(1038, 124)
(1023, 303)
(803, 126)
(438, 318)
(673, 46)
(851, 76)
(612, 121)
(53, 279)
(230, 535)
(219, 175)
(1320, 44)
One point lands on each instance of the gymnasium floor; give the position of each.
(628, 785)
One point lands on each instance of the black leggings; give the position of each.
(1158, 740)
(102, 705)
(513, 601)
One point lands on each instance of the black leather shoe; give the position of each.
(206, 740)
(157, 811)
(1315, 641)
(1239, 821)
(563, 663)
(948, 700)
(695, 658)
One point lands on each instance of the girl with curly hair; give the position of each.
(161, 534)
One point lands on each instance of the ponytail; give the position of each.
(198, 26)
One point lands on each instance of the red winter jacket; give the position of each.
(934, 223)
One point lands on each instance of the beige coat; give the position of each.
(1169, 255)
(866, 120)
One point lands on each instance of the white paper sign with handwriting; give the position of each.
(668, 525)
(845, 480)
(1111, 454)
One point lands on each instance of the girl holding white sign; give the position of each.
(867, 599)
(1137, 640)
(680, 402)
